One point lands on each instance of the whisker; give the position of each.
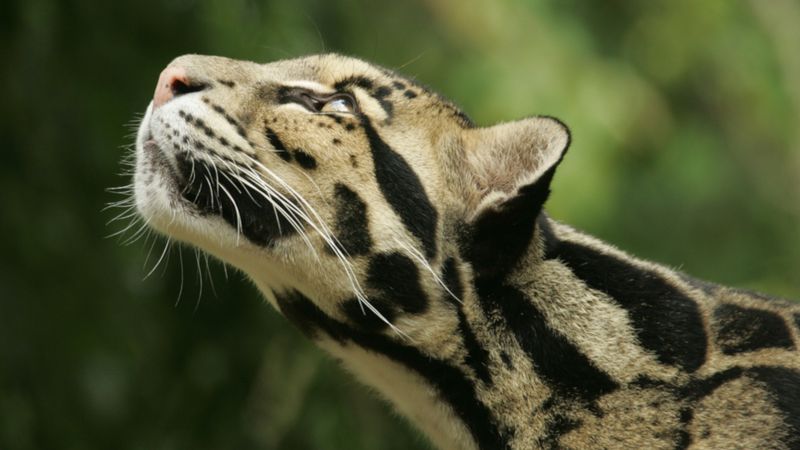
(210, 276)
(180, 289)
(149, 252)
(161, 258)
(138, 234)
(200, 277)
(236, 210)
(417, 255)
(319, 225)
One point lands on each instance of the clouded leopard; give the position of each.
(412, 245)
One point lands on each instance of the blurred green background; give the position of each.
(686, 149)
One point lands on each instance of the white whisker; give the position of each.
(417, 255)
(161, 258)
(210, 276)
(149, 253)
(200, 277)
(180, 289)
(235, 209)
(319, 226)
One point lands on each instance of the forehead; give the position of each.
(336, 70)
(342, 72)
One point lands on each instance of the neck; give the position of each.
(522, 355)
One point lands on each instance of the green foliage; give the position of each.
(686, 150)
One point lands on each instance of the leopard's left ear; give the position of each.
(512, 159)
(510, 167)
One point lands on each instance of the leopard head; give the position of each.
(340, 180)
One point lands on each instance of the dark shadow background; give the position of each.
(685, 118)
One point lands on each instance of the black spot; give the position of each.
(352, 223)
(382, 91)
(453, 387)
(336, 141)
(396, 277)
(477, 356)
(200, 124)
(689, 394)
(686, 416)
(500, 237)
(554, 358)
(227, 83)
(276, 143)
(784, 385)
(410, 94)
(388, 108)
(683, 440)
(463, 118)
(235, 202)
(742, 329)
(309, 319)
(305, 160)
(228, 118)
(354, 161)
(666, 320)
(698, 389)
(507, 360)
(350, 127)
(367, 320)
(403, 190)
(797, 320)
(557, 425)
(358, 80)
(398, 85)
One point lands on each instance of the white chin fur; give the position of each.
(161, 205)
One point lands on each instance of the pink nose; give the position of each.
(172, 82)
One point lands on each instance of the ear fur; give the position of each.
(512, 166)
(505, 157)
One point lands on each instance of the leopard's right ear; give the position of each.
(509, 170)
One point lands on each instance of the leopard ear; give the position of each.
(510, 167)
(508, 159)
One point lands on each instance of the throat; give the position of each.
(517, 357)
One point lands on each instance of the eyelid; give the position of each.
(350, 98)
(314, 101)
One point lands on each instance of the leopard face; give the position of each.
(326, 174)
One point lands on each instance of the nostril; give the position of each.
(180, 87)
(174, 82)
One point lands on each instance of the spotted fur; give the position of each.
(413, 246)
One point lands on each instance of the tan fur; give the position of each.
(466, 173)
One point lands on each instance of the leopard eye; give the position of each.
(339, 104)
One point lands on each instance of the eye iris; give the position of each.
(338, 105)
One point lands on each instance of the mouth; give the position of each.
(204, 183)
(229, 190)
